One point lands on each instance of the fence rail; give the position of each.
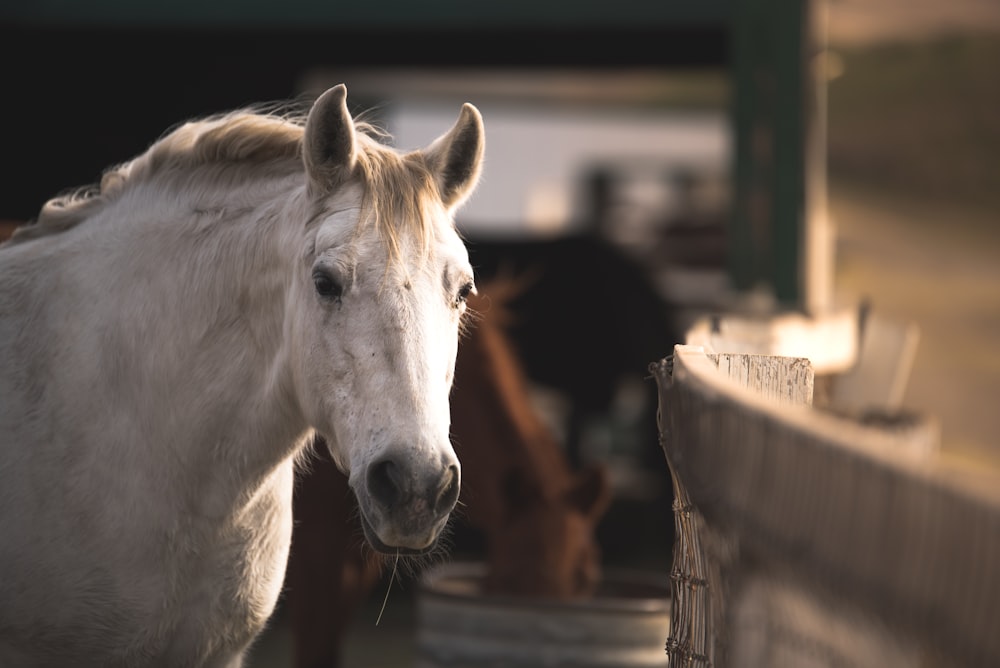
(805, 538)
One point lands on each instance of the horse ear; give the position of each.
(456, 157)
(328, 147)
(591, 491)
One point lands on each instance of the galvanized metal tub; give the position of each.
(624, 625)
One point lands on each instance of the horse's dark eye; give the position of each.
(463, 293)
(326, 286)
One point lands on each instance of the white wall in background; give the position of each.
(536, 157)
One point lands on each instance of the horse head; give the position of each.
(543, 543)
(380, 300)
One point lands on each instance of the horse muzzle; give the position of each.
(403, 508)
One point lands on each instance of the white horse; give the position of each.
(169, 344)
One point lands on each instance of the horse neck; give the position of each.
(218, 273)
(492, 390)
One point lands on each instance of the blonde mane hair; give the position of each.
(397, 186)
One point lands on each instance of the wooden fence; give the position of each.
(805, 538)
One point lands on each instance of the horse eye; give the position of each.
(463, 293)
(326, 286)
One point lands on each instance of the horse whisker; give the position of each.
(392, 576)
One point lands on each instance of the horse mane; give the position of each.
(250, 140)
(494, 356)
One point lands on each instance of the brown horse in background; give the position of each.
(537, 515)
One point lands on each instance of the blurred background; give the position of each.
(914, 166)
(611, 147)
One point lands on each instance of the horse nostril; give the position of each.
(448, 495)
(385, 483)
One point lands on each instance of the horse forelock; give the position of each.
(399, 188)
(400, 193)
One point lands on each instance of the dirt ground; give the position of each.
(938, 266)
(913, 140)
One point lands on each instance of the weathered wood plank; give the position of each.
(787, 380)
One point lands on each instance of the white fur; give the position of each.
(162, 361)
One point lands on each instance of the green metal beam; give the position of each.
(777, 157)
